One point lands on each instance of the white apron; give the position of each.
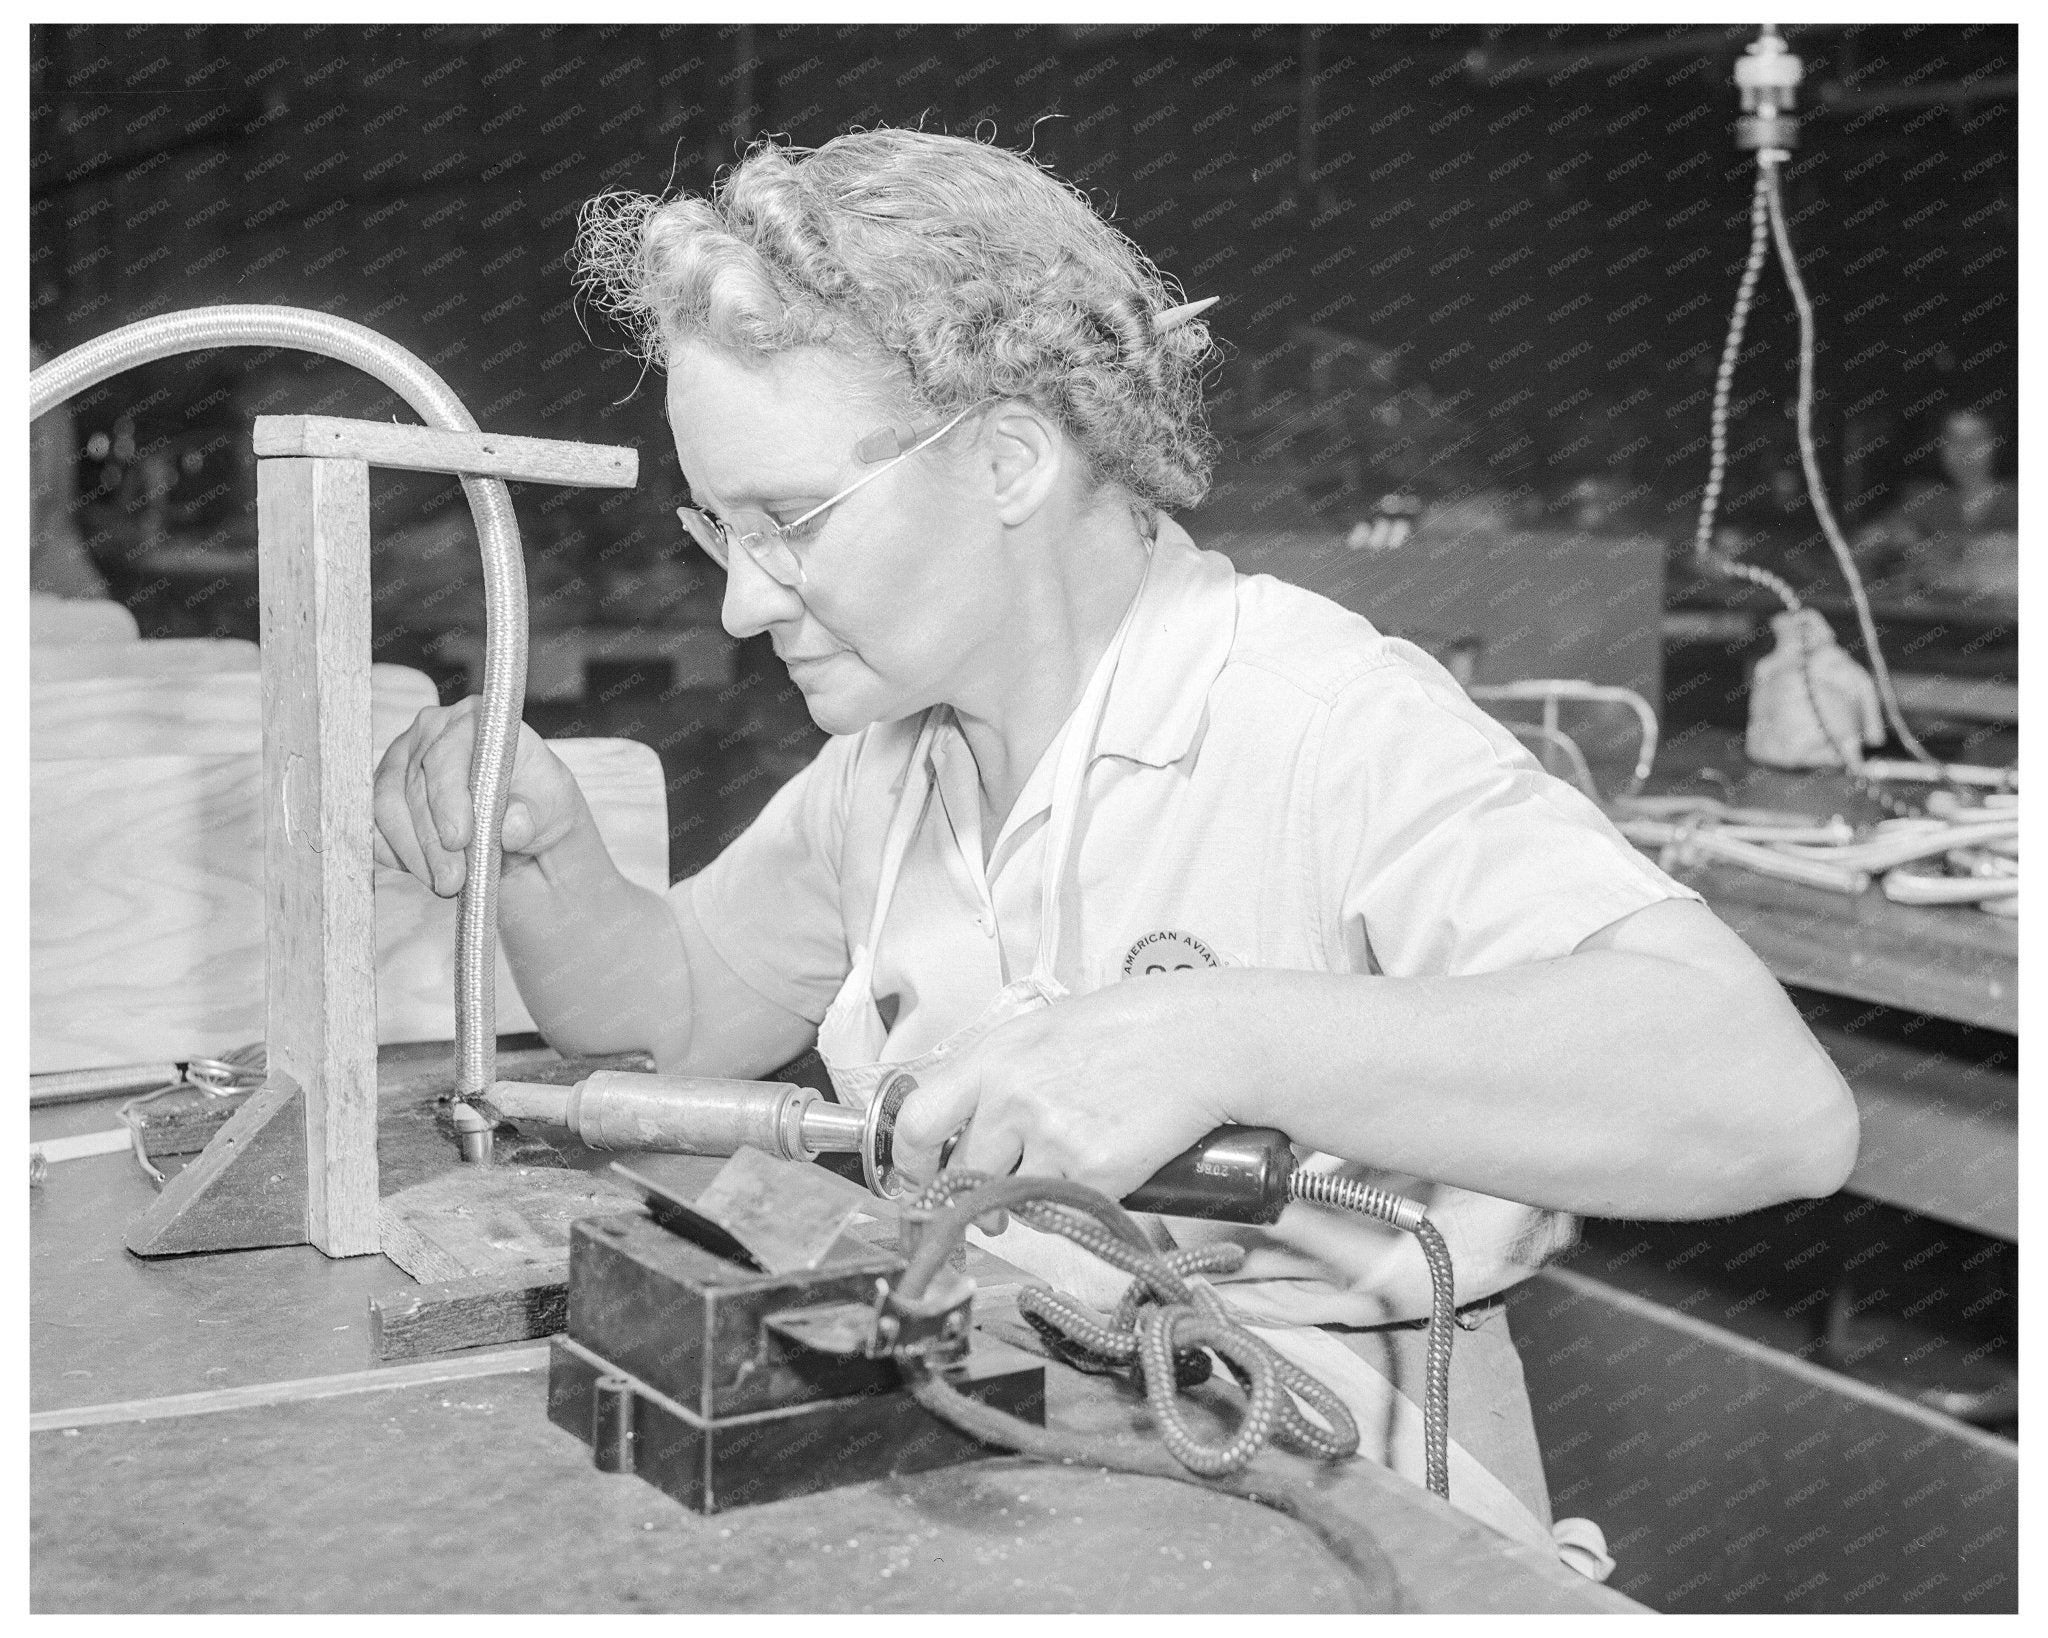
(852, 1039)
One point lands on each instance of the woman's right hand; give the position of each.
(421, 800)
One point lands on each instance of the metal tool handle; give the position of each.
(1237, 1174)
(683, 1114)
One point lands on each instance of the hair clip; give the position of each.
(1169, 317)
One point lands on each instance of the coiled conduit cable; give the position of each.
(490, 502)
(1161, 1318)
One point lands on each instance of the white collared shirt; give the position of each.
(1275, 784)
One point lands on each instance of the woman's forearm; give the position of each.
(598, 959)
(1605, 1083)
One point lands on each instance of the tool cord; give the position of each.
(202, 329)
(956, 1199)
(1162, 1319)
(1163, 1322)
(1351, 1195)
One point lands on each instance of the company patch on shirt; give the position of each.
(1168, 952)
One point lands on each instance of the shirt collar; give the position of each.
(1179, 639)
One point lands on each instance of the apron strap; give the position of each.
(903, 825)
(1070, 776)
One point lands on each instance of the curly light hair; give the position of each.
(966, 271)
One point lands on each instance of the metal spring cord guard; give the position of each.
(490, 502)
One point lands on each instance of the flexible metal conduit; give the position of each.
(202, 328)
(1403, 1213)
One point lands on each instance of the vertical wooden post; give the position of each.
(298, 1161)
(320, 947)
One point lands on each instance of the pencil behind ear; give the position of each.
(1171, 316)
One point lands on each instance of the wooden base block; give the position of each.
(492, 1221)
(483, 1312)
(246, 1189)
(185, 1121)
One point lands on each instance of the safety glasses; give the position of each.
(774, 548)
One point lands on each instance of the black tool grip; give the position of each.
(1237, 1174)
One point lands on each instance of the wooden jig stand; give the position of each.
(297, 1162)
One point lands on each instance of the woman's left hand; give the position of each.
(1103, 1088)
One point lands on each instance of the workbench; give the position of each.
(255, 1457)
(1940, 1123)
(1682, 1396)
(1945, 961)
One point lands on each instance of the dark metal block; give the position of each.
(711, 1464)
(692, 1326)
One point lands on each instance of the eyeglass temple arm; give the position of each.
(896, 451)
(889, 444)
(894, 442)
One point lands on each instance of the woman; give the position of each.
(1111, 845)
(1957, 541)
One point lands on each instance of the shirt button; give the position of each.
(987, 924)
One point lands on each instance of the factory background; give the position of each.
(1487, 268)
(1490, 262)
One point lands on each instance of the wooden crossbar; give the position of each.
(470, 454)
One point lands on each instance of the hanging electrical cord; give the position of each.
(1724, 386)
(1816, 489)
(1768, 76)
(1847, 750)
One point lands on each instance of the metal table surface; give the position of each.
(460, 1495)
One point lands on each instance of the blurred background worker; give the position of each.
(1955, 541)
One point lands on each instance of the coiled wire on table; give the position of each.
(1040, 1200)
(1161, 1316)
(241, 1070)
(490, 502)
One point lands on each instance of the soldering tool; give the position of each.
(1237, 1174)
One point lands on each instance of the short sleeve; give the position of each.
(1445, 847)
(770, 903)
